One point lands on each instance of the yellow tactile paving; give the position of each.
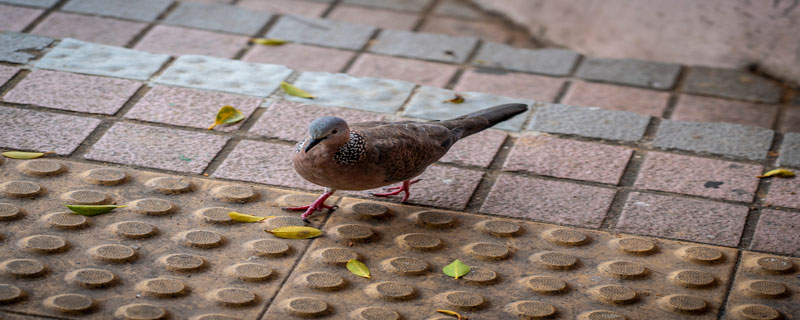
(767, 287)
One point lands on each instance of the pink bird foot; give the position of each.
(317, 205)
(398, 190)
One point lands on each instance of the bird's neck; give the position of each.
(351, 151)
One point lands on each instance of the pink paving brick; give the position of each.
(157, 147)
(607, 96)
(103, 30)
(263, 162)
(13, 18)
(784, 192)
(777, 232)
(43, 131)
(380, 18)
(790, 120)
(288, 120)
(301, 57)
(486, 30)
(178, 41)
(74, 92)
(441, 186)
(562, 158)
(510, 84)
(707, 109)
(417, 71)
(190, 107)
(699, 176)
(6, 73)
(684, 219)
(548, 201)
(300, 8)
(476, 150)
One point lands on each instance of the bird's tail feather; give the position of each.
(482, 119)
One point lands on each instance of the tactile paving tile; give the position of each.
(766, 287)
(520, 270)
(172, 253)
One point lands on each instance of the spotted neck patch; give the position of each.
(351, 151)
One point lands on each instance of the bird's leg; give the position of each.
(402, 188)
(317, 205)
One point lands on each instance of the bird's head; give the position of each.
(328, 130)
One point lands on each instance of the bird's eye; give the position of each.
(334, 131)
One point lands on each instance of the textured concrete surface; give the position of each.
(555, 62)
(790, 150)
(73, 92)
(424, 46)
(304, 8)
(784, 193)
(43, 131)
(589, 122)
(706, 109)
(732, 84)
(84, 57)
(202, 72)
(562, 158)
(286, 120)
(476, 150)
(321, 32)
(13, 18)
(631, 72)
(384, 19)
(224, 18)
(301, 57)
(510, 84)
(6, 73)
(420, 72)
(410, 5)
(717, 138)
(16, 47)
(430, 103)
(341, 90)
(34, 3)
(102, 30)
(683, 218)
(143, 10)
(156, 147)
(548, 201)
(189, 107)
(699, 176)
(486, 30)
(613, 97)
(263, 162)
(790, 120)
(778, 231)
(178, 41)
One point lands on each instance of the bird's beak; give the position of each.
(313, 143)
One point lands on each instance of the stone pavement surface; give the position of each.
(629, 187)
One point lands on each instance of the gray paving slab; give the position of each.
(725, 139)
(157, 147)
(790, 150)
(15, 47)
(406, 5)
(638, 73)
(202, 72)
(556, 62)
(729, 83)
(90, 58)
(341, 90)
(218, 17)
(142, 10)
(428, 46)
(323, 32)
(429, 103)
(32, 3)
(589, 122)
(43, 131)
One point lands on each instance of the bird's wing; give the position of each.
(405, 149)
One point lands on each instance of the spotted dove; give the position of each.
(369, 155)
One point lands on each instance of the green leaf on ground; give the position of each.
(24, 155)
(227, 115)
(358, 268)
(295, 232)
(295, 91)
(92, 210)
(269, 41)
(245, 218)
(456, 269)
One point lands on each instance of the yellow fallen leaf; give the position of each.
(24, 155)
(451, 313)
(295, 232)
(457, 99)
(358, 268)
(269, 41)
(245, 218)
(295, 91)
(780, 173)
(227, 115)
